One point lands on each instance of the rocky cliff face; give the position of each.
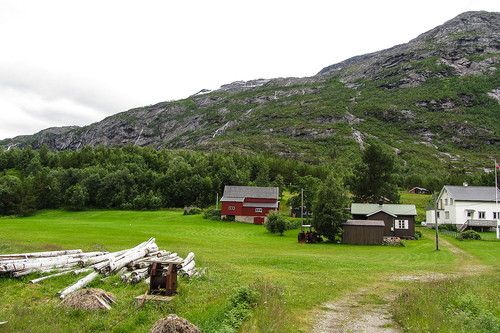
(453, 43)
(439, 91)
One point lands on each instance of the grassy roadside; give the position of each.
(292, 279)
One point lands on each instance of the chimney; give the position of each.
(380, 202)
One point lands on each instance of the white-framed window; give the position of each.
(258, 210)
(401, 224)
(470, 214)
(446, 214)
(231, 208)
(496, 215)
(482, 215)
(451, 201)
(446, 202)
(437, 213)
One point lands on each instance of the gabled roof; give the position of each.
(419, 188)
(238, 193)
(391, 209)
(471, 193)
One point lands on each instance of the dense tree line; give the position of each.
(132, 177)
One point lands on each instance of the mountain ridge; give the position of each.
(435, 98)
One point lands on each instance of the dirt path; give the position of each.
(367, 309)
(361, 311)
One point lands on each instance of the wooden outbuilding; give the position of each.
(420, 190)
(363, 232)
(399, 219)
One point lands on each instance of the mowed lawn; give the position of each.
(301, 276)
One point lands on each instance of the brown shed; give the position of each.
(365, 232)
(399, 219)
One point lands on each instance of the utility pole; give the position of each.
(217, 201)
(302, 210)
(436, 220)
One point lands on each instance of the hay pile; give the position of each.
(89, 299)
(174, 324)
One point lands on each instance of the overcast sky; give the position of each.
(66, 63)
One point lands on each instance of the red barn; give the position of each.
(249, 204)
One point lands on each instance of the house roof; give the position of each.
(471, 193)
(369, 223)
(237, 193)
(419, 188)
(391, 209)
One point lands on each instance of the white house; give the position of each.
(465, 206)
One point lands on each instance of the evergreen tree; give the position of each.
(330, 208)
(373, 178)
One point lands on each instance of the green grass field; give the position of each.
(294, 279)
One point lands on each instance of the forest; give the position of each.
(144, 178)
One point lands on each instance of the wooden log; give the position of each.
(139, 275)
(108, 299)
(79, 284)
(62, 257)
(189, 266)
(188, 259)
(98, 259)
(189, 273)
(40, 254)
(51, 276)
(125, 277)
(24, 272)
(70, 271)
(161, 253)
(82, 270)
(103, 303)
(20, 266)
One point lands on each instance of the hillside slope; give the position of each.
(434, 100)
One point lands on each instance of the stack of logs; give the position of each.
(136, 260)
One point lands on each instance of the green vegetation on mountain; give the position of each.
(434, 102)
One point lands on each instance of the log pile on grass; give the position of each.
(131, 264)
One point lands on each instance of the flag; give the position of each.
(496, 165)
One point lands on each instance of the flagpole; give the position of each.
(496, 199)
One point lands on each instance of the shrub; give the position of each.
(275, 223)
(278, 223)
(469, 234)
(448, 227)
(212, 214)
(292, 224)
(418, 234)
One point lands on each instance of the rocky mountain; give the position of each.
(435, 99)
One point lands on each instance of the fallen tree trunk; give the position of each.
(79, 284)
(74, 271)
(188, 259)
(39, 254)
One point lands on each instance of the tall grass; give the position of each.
(458, 305)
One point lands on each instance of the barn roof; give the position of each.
(238, 193)
(391, 209)
(471, 193)
(369, 223)
(261, 204)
